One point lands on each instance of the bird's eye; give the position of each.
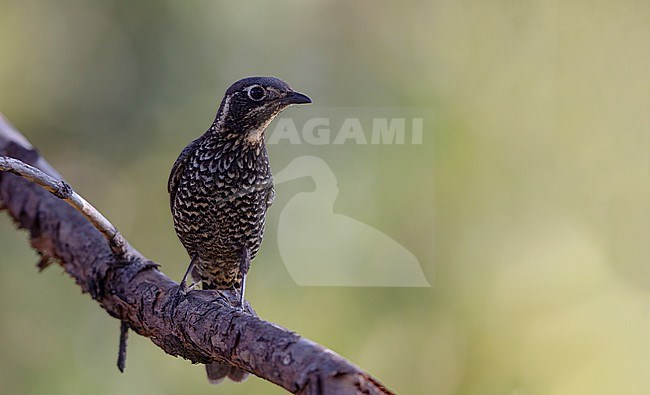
(256, 93)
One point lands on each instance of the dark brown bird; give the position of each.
(221, 186)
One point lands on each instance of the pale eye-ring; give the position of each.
(256, 93)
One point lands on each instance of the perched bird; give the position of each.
(221, 186)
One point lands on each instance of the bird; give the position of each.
(220, 188)
(340, 251)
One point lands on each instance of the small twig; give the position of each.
(63, 191)
(124, 336)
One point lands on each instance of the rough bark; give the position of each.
(201, 326)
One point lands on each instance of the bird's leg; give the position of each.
(183, 285)
(182, 289)
(244, 265)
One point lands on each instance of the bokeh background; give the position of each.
(528, 203)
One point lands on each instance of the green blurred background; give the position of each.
(528, 203)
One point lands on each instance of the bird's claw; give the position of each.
(183, 288)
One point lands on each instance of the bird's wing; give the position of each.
(177, 170)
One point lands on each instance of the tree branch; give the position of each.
(201, 326)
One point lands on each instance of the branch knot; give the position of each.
(63, 190)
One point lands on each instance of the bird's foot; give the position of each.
(241, 301)
(179, 294)
(183, 288)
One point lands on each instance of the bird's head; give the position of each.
(250, 104)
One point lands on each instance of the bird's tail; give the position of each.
(217, 372)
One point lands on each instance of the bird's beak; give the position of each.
(296, 98)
